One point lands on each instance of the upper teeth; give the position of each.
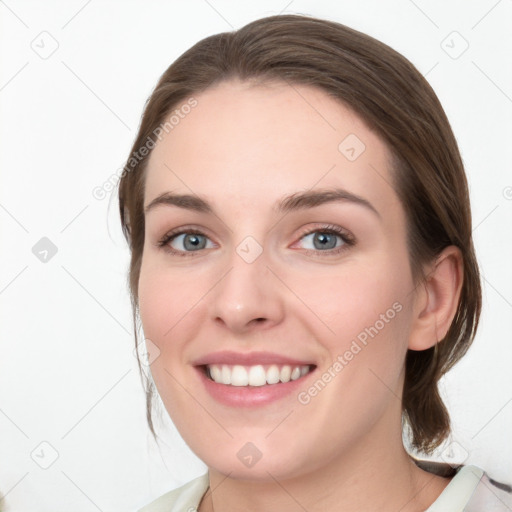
(257, 375)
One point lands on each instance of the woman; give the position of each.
(302, 264)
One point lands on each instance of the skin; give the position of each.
(243, 148)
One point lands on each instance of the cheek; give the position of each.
(167, 295)
(355, 298)
(157, 304)
(369, 316)
(367, 312)
(165, 304)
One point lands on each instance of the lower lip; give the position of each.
(251, 396)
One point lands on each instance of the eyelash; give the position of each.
(348, 240)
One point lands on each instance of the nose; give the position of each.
(249, 296)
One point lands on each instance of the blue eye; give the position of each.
(191, 240)
(325, 240)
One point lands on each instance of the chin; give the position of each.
(250, 463)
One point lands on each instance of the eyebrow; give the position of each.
(294, 202)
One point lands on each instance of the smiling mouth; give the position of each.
(255, 375)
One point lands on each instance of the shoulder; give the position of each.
(471, 490)
(490, 495)
(183, 499)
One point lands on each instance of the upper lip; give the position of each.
(247, 359)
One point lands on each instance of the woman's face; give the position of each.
(265, 284)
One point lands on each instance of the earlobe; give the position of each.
(437, 300)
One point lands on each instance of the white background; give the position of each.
(68, 373)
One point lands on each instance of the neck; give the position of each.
(372, 475)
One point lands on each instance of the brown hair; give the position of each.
(395, 100)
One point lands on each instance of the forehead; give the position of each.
(256, 143)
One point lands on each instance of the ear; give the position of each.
(437, 299)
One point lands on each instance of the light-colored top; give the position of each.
(470, 490)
